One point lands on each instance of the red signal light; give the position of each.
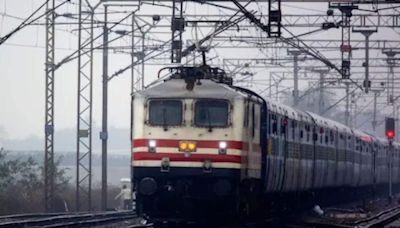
(390, 134)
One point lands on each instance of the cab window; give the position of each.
(165, 112)
(211, 113)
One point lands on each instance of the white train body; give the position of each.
(241, 139)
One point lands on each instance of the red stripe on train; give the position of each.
(199, 143)
(140, 156)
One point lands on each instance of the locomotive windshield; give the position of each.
(165, 112)
(211, 113)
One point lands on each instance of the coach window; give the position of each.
(356, 144)
(274, 125)
(269, 124)
(211, 113)
(332, 137)
(284, 123)
(293, 129)
(321, 133)
(349, 143)
(165, 112)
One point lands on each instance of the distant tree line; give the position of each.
(22, 187)
(21, 184)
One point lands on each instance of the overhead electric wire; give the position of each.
(187, 51)
(217, 31)
(73, 55)
(4, 14)
(28, 20)
(340, 100)
(306, 49)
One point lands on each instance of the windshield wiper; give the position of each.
(164, 120)
(209, 120)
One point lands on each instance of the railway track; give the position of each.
(379, 219)
(92, 219)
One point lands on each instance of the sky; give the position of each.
(22, 85)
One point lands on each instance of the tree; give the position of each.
(21, 184)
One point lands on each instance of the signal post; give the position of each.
(390, 134)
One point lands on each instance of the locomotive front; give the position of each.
(186, 148)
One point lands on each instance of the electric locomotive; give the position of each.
(201, 147)
(192, 144)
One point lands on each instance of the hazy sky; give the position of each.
(22, 70)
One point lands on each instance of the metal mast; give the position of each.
(366, 33)
(49, 114)
(104, 131)
(345, 48)
(295, 54)
(84, 115)
(321, 88)
(177, 27)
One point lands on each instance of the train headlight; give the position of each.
(152, 146)
(186, 146)
(222, 147)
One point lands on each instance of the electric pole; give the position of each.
(295, 54)
(367, 33)
(104, 132)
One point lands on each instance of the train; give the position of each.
(201, 145)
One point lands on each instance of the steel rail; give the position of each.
(377, 220)
(380, 219)
(69, 219)
(92, 222)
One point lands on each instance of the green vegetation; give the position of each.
(21, 186)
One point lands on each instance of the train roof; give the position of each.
(176, 88)
(362, 135)
(381, 140)
(309, 117)
(211, 89)
(288, 111)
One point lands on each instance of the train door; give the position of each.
(374, 153)
(246, 139)
(337, 151)
(326, 154)
(357, 154)
(250, 136)
(349, 161)
(286, 169)
(342, 159)
(283, 150)
(329, 139)
(302, 173)
(308, 143)
(352, 158)
(296, 157)
(315, 165)
(253, 143)
(370, 163)
(273, 173)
